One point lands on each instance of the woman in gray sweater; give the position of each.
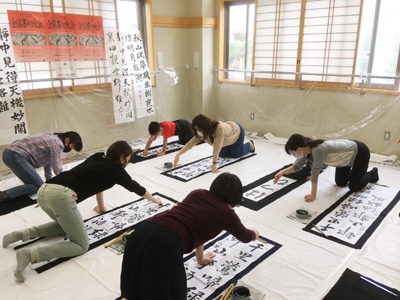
(350, 157)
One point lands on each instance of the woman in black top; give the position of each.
(59, 196)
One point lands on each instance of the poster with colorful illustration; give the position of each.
(29, 35)
(49, 36)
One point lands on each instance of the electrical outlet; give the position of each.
(252, 116)
(386, 137)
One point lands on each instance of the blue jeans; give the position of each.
(237, 149)
(24, 171)
(59, 202)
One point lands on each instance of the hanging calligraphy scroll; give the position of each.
(233, 259)
(354, 217)
(107, 226)
(13, 124)
(130, 75)
(121, 81)
(200, 167)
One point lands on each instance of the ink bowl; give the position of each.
(302, 214)
(168, 165)
(240, 293)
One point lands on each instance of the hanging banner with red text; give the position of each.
(47, 36)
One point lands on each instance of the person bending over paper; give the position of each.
(58, 197)
(167, 129)
(153, 266)
(45, 150)
(350, 158)
(226, 138)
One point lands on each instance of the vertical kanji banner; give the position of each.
(120, 80)
(13, 125)
(130, 75)
(142, 81)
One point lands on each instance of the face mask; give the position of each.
(67, 149)
(125, 164)
(298, 155)
(199, 133)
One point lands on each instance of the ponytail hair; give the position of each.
(296, 141)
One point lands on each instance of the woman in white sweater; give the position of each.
(226, 138)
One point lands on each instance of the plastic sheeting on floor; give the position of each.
(306, 266)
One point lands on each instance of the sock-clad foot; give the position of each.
(23, 260)
(252, 146)
(12, 238)
(375, 176)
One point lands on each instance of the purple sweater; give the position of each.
(200, 217)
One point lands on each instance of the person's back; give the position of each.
(200, 217)
(45, 150)
(94, 175)
(153, 254)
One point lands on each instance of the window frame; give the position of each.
(366, 80)
(227, 6)
(354, 81)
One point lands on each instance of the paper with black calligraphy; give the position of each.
(356, 215)
(200, 167)
(13, 123)
(153, 151)
(263, 191)
(121, 78)
(109, 225)
(130, 75)
(233, 260)
(267, 188)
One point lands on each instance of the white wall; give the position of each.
(281, 111)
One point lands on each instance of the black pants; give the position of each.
(183, 131)
(152, 266)
(356, 176)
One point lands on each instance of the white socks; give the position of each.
(12, 238)
(23, 260)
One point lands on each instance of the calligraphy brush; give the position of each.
(117, 238)
(227, 292)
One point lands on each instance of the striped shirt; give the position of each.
(41, 150)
